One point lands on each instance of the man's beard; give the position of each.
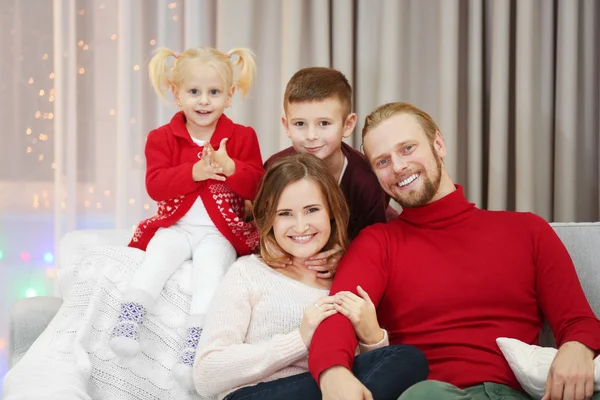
(427, 192)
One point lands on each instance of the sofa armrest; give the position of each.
(28, 319)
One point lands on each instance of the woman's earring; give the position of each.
(178, 104)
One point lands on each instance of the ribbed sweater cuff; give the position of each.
(364, 348)
(291, 347)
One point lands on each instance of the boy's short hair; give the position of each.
(318, 84)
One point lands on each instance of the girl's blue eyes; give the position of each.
(212, 91)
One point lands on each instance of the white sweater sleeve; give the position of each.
(365, 348)
(223, 360)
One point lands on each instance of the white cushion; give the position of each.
(531, 364)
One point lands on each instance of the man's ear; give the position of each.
(439, 145)
(285, 124)
(349, 125)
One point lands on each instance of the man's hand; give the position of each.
(571, 375)
(325, 263)
(338, 383)
(222, 158)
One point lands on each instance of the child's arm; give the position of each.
(165, 181)
(223, 360)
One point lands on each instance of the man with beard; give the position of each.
(450, 278)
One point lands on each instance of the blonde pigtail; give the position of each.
(159, 71)
(247, 69)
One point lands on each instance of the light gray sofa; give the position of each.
(29, 317)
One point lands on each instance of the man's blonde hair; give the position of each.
(388, 110)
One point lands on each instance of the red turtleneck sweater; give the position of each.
(450, 278)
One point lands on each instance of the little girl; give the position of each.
(201, 167)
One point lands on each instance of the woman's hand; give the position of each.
(361, 312)
(314, 314)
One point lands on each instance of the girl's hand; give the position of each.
(222, 158)
(206, 168)
(314, 314)
(361, 312)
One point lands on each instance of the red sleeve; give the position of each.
(164, 180)
(559, 291)
(248, 165)
(365, 264)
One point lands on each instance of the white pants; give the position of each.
(211, 255)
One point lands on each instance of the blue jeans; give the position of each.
(386, 372)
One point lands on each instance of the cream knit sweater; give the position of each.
(252, 332)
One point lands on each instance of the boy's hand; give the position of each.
(325, 263)
(222, 158)
(205, 168)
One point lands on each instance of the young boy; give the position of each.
(318, 105)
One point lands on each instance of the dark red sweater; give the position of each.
(450, 278)
(365, 198)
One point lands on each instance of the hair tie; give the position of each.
(176, 55)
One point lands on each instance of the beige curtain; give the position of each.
(513, 85)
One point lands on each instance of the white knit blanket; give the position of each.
(72, 360)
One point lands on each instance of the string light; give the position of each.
(2, 344)
(28, 131)
(31, 292)
(48, 257)
(113, 36)
(45, 57)
(152, 42)
(30, 81)
(50, 272)
(25, 256)
(1, 254)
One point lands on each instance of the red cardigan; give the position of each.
(170, 157)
